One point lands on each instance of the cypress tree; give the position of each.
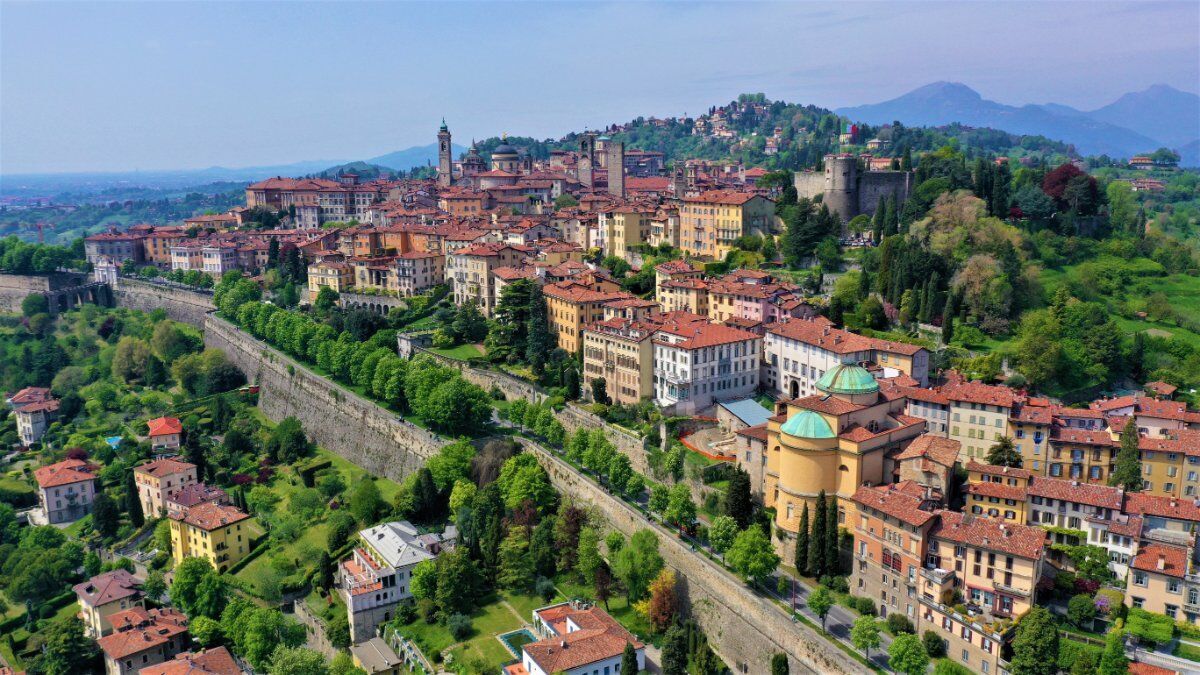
(831, 538)
(738, 504)
(1128, 471)
(133, 505)
(816, 541)
(864, 284)
(802, 542)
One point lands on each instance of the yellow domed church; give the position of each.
(836, 441)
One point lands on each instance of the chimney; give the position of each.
(1162, 562)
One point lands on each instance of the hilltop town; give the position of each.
(831, 399)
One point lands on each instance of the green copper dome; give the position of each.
(807, 424)
(847, 378)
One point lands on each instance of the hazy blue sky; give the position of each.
(122, 86)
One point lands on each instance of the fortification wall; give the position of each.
(809, 184)
(875, 184)
(180, 304)
(337, 419)
(743, 628)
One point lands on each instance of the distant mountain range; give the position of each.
(418, 155)
(1137, 122)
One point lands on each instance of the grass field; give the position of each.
(461, 352)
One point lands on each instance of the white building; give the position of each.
(66, 490)
(34, 418)
(698, 363)
(797, 352)
(576, 639)
(378, 574)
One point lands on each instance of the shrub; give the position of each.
(935, 646)
(1069, 652)
(406, 612)
(898, 624)
(835, 584)
(427, 608)
(865, 606)
(459, 626)
(545, 589)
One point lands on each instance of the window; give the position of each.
(1139, 578)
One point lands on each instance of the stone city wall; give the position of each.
(180, 303)
(336, 418)
(744, 629)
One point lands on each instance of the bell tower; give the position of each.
(445, 168)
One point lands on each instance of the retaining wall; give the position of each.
(180, 304)
(337, 419)
(744, 629)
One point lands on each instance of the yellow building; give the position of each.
(978, 416)
(620, 351)
(624, 228)
(572, 305)
(336, 275)
(997, 491)
(711, 221)
(833, 441)
(216, 532)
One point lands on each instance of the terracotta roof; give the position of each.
(513, 273)
(1161, 559)
(999, 490)
(164, 467)
(137, 630)
(977, 392)
(1018, 540)
(164, 426)
(724, 197)
(676, 267)
(41, 406)
(1076, 492)
(826, 403)
(1132, 527)
(30, 395)
(209, 516)
(996, 470)
(698, 335)
(820, 332)
(108, 587)
(1139, 668)
(1161, 388)
(197, 493)
(64, 473)
(944, 451)
(895, 501)
(758, 432)
(1143, 504)
(597, 637)
(214, 661)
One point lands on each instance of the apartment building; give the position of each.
(104, 595)
(34, 418)
(418, 271)
(754, 295)
(697, 364)
(142, 638)
(66, 490)
(833, 441)
(798, 352)
(1162, 579)
(376, 576)
(620, 351)
(576, 639)
(116, 246)
(710, 222)
(624, 227)
(217, 532)
(469, 271)
(156, 481)
(979, 415)
(673, 270)
(334, 274)
(917, 561)
(576, 303)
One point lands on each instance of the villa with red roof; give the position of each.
(698, 363)
(166, 433)
(214, 661)
(66, 490)
(158, 480)
(143, 638)
(577, 639)
(103, 596)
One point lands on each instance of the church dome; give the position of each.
(807, 424)
(848, 379)
(504, 149)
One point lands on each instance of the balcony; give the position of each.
(1010, 590)
(937, 575)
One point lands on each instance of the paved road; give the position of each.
(839, 622)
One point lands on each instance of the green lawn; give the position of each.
(461, 352)
(486, 623)
(1187, 651)
(618, 607)
(301, 552)
(525, 604)
(352, 475)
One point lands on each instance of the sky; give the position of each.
(106, 86)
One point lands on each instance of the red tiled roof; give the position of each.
(724, 197)
(757, 432)
(944, 451)
(996, 470)
(1143, 504)
(820, 332)
(164, 426)
(895, 501)
(209, 516)
(1018, 540)
(1076, 492)
(137, 630)
(1173, 560)
(64, 473)
(30, 395)
(1139, 668)
(676, 267)
(977, 392)
(215, 661)
(598, 637)
(572, 292)
(698, 335)
(108, 587)
(164, 467)
(826, 403)
(990, 489)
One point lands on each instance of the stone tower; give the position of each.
(841, 185)
(616, 168)
(445, 167)
(587, 160)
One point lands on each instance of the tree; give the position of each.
(660, 496)
(865, 634)
(424, 580)
(516, 565)
(779, 664)
(832, 549)
(629, 662)
(675, 652)
(1035, 648)
(205, 631)
(1128, 471)
(600, 391)
(541, 549)
(620, 470)
(637, 563)
(802, 542)
(297, 660)
(451, 464)
(587, 559)
(326, 300)
(189, 586)
(540, 341)
(721, 533)
(287, 442)
(907, 655)
(603, 584)
(1003, 453)
(66, 649)
(681, 510)
(1113, 660)
(663, 604)
(1081, 610)
(1085, 664)
(129, 360)
(105, 517)
(365, 502)
(935, 646)
(820, 601)
(456, 583)
(816, 543)
(738, 502)
(752, 556)
(155, 585)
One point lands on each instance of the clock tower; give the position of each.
(445, 168)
